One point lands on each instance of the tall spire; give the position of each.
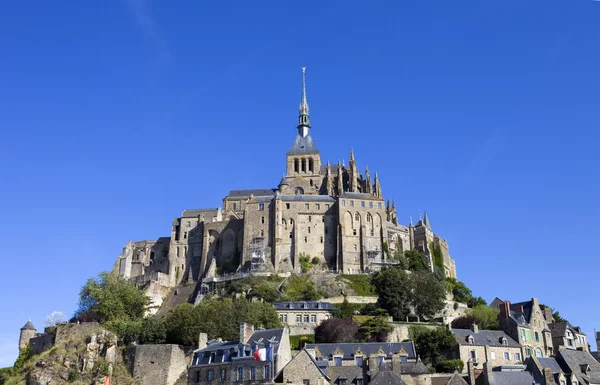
(353, 172)
(368, 185)
(426, 220)
(329, 180)
(377, 191)
(340, 184)
(303, 119)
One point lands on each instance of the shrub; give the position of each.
(301, 289)
(361, 284)
(298, 342)
(449, 366)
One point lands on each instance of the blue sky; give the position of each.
(117, 115)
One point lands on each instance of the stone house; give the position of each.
(235, 362)
(579, 367)
(303, 313)
(493, 347)
(526, 323)
(545, 371)
(565, 335)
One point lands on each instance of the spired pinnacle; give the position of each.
(303, 119)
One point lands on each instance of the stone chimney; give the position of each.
(505, 310)
(246, 331)
(471, 371)
(475, 328)
(202, 340)
(373, 369)
(548, 377)
(396, 364)
(548, 315)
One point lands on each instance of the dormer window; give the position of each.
(470, 339)
(504, 341)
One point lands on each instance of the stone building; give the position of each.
(333, 214)
(303, 312)
(28, 331)
(234, 362)
(545, 371)
(579, 366)
(525, 322)
(565, 335)
(493, 347)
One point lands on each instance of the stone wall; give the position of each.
(351, 299)
(160, 364)
(493, 355)
(65, 332)
(41, 343)
(301, 330)
(399, 332)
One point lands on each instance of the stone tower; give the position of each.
(27, 332)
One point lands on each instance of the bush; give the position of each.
(432, 343)
(450, 366)
(361, 284)
(305, 264)
(301, 289)
(298, 342)
(336, 330)
(315, 261)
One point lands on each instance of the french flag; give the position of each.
(260, 354)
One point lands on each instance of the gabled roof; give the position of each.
(510, 378)
(413, 368)
(192, 213)
(457, 379)
(348, 373)
(572, 361)
(255, 192)
(550, 363)
(484, 337)
(303, 145)
(559, 329)
(368, 348)
(303, 305)
(385, 376)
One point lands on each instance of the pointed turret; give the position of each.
(368, 185)
(377, 191)
(282, 183)
(353, 172)
(411, 223)
(303, 119)
(426, 220)
(340, 184)
(388, 212)
(329, 177)
(28, 326)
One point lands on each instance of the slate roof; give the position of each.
(255, 192)
(368, 348)
(456, 379)
(303, 305)
(303, 145)
(559, 329)
(484, 337)
(385, 376)
(413, 368)
(510, 378)
(549, 362)
(224, 351)
(356, 195)
(28, 326)
(306, 198)
(596, 355)
(571, 361)
(349, 373)
(192, 213)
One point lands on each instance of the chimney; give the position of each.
(246, 331)
(471, 370)
(396, 364)
(548, 315)
(505, 310)
(548, 377)
(475, 328)
(202, 340)
(373, 369)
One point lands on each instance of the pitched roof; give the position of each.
(28, 326)
(413, 368)
(549, 362)
(510, 378)
(559, 329)
(231, 348)
(368, 348)
(349, 373)
(303, 305)
(255, 192)
(192, 213)
(457, 379)
(484, 337)
(305, 198)
(356, 195)
(303, 145)
(385, 376)
(573, 359)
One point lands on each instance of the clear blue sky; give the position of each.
(116, 116)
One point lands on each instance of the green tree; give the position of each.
(437, 254)
(375, 329)
(426, 294)
(337, 330)
(431, 344)
(392, 286)
(485, 317)
(449, 366)
(112, 298)
(415, 261)
(183, 325)
(346, 309)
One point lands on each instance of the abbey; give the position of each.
(331, 213)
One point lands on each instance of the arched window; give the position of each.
(298, 191)
(296, 165)
(177, 249)
(368, 217)
(303, 165)
(310, 165)
(357, 217)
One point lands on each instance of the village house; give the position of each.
(565, 335)
(304, 313)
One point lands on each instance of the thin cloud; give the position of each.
(149, 27)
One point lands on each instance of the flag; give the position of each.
(260, 354)
(107, 381)
(269, 353)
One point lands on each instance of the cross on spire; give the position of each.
(303, 119)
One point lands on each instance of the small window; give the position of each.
(261, 206)
(253, 372)
(372, 232)
(262, 233)
(506, 356)
(291, 235)
(362, 203)
(267, 372)
(318, 206)
(234, 205)
(309, 230)
(357, 217)
(306, 206)
(368, 217)
(310, 218)
(337, 361)
(517, 356)
(355, 248)
(493, 355)
(306, 318)
(379, 361)
(323, 219)
(327, 206)
(311, 182)
(262, 219)
(342, 381)
(305, 239)
(299, 318)
(185, 235)
(287, 206)
(351, 203)
(209, 375)
(359, 361)
(343, 203)
(305, 382)
(371, 204)
(240, 373)
(471, 340)
(378, 205)
(473, 355)
(359, 381)
(313, 319)
(537, 336)
(321, 239)
(353, 231)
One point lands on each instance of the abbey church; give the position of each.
(334, 213)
